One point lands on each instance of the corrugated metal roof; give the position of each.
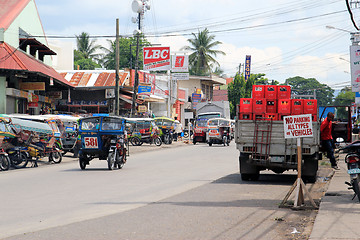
(94, 78)
(9, 10)
(15, 59)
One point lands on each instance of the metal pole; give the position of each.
(136, 83)
(117, 69)
(169, 99)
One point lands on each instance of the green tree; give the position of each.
(202, 57)
(239, 88)
(87, 48)
(86, 64)
(345, 98)
(127, 57)
(306, 86)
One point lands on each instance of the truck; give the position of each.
(206, 111)
(262, 146)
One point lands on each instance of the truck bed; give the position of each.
(279, 146)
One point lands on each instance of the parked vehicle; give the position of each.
(103, 137)
(143, 130)
(39, 138)
(352, 160)
(166, 126)
(5, 132)
(200, 127)
(218, 131)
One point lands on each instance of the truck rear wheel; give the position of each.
(248, 171)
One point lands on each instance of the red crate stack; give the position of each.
(259, 106)
(246, 105)
(272, 116)
(245, 116)
(258, 91)
(284, 92)
(271, 91)
(310, 107)
(297, 106)
(271, 106)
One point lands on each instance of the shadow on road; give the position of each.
(265, 179)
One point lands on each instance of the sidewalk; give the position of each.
(338, 216)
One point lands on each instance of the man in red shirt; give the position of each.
(327, 140)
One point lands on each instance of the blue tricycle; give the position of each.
(103, 137)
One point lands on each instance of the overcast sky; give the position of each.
(285, 38)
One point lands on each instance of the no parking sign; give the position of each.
(298, 126)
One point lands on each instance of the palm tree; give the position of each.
(86, 48)
(202, 57)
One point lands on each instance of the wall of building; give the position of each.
(64, 60)
(30, 22)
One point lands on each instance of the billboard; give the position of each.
(156, 58)
(247, 66)
(355, 67)
(180, 63)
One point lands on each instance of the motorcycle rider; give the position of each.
(327, 139)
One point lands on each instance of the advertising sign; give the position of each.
(355, 67)
(144, 90)
(180, 63)
(298, 126)
(247, 66)
(36, 86)
(180, 76)
(196, 97)
(156, 58)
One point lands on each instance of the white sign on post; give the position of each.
(298, 126)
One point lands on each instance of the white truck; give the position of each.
(262, 146)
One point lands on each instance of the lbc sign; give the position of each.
(156, 58)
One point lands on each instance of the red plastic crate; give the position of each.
(297, 106)
(245, 116)
(271, 106)
(284, 92)
(246, 105)
(258, 116)
(284, 106)
(258, 91)
(271, 91)
(259, 105)
(310, 106)
(273, 116)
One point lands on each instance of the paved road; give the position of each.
(190, 192)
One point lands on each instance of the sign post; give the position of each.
(298, 126)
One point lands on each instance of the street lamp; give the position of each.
(344, 59)
(340, 29)
(139, 7)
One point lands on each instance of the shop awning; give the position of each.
(15, 59)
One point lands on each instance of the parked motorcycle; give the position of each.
(352, 160)
(5, 162)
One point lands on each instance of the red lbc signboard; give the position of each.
(156, 58)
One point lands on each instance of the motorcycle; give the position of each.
(352, 160)
(117, 153)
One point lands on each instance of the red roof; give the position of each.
(9, 10)
(15, 59)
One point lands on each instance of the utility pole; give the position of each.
(117, 69)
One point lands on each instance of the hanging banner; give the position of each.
(180, 63)
(355, 67)
(156, 58)
(298, 126)
(247, 66)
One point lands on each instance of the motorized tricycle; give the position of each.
(5, 133)
(143, 130)
(166, 126)
(200, 130)
(103, 137)
(218, 131)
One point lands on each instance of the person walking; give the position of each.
(327, 139)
